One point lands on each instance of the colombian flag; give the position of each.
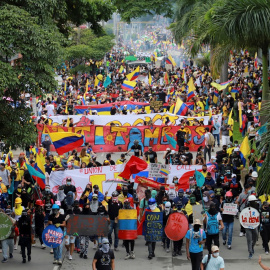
(121, 70)
(180, 107)
(127, 224)
(168, 61)
(128, 85)
(191, 89)
(166, 78)
(164, 172)
(244, 150)
(66, 141)
(133, 75)
(215, 97)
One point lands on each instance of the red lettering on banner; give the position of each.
(113, 168)
(93, 170)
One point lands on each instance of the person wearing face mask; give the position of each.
(59, 221)
(213, 260)
(166, 213)
(195, 238)
(172, 192)
(85, 194)
(160, 195)
(180, 201)
(209, 181)
(137, 148)
(216, 132)
(265, 225)
(228, 220)
(152, 207)
(204, 170)
(252, 234)
(189, 208)
(104, 257)
(124, 195)
(96, 191)
(113, 210)
(69, 187)
(213, 220)
(180, 137)
(205, 200)
(221, 154)
(39, 217)
(188, 157)
(48, 201)
(60, 196)
(5, 174)
(150, 156)
(144, 202)
(175, 180)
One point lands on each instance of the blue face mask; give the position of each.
(68, 183)
(221, 177)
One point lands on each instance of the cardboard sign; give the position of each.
(156, 104)
(176, 227)
(249, 218)
(197, 212)
(5, 226)
(52, 236)
(88, 225)
(153, 226)
(158, 170)
(230, 209)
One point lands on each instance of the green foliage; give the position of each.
(130, 9)
(204, 60)
(108, 28)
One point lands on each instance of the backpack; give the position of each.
(211, 139)
(191, 233)
(212, 224)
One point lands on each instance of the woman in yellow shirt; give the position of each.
(84, 156)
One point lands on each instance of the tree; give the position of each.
(129, 9)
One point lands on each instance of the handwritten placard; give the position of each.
(230, 209)
(153, 226)
(156, 104)
(158, 170)
(176, 227)
(52, 236)
(89, 225)
(249, 218)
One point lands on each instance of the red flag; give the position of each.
(133, 166)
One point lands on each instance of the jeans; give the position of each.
(196, 259)
(251, 235)
(113, 227)
(151, 248)
(228, 226)
(57, 252)
(216, 136)
(207, 150)
(212, 238)
(7, 244)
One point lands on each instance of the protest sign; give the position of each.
(153, 226)
(121, 138)
(52, 236)
(158, 170)
(249, 218)
(127, 220)
(88, 225)
(156, 104)
(176, 227)
(230, 209)
(5, 226)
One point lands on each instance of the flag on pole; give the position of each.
(107, 82)
(172, 60)
(166, 78)
(191, 89)
(244, 150)
(149, 79)
(133, 75)
(180, 107)
(215, 97)
(121, 70)
(171, 140)
(128, 85)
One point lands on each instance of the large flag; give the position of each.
(166, 78)
(150, 79)
(172, 60)
(200, 179)
(128, 85)
(242, 123)
(180, 107)
(40, 178)
(215, 97)
(168, 61)
(39, 167)
(107, 82)
(121, 70)
(66, 141)
(97, 82)
(133, 75)
(191, 89)
(133, 166)
(171, 140)
(184, 76)
(127, 220)
(87, 86)
(234, 92)
(244, 150)
(221, 86)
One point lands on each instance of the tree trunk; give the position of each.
(224, 74)
(265, 92)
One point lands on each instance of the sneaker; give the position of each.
(241, 234)
(33, 245)
(59, 262)
(153, 255)
(29, 258)
(95, 246)
(224, 242)
(24, 261)
(132, 255)
(43, 246)
(16, 246)
(250, 255)
(10, 255)
(4, 260)
(127, 256)
(149, 257)
(70, 257)
(116, 249)
(51, 251)
(162, 244)
(174, 254)
(55, 262)
(85, 257)
(266, 252)
(229, 247)
(179, 253)
(167, 250)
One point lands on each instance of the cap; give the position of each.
(213, 157)
(211, 192)
(105, 241)
(180, 190)
(214, 248)
(233, 175)
(254, 174)
(197, 222)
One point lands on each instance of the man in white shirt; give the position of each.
(213, 261)
(50, 109)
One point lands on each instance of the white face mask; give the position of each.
(152, 207)
(216, 254)
(205, 199)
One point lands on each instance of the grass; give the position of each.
(236, 133)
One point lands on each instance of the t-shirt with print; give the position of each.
(214, 263)
(104, 260)
(136, 149)
(194, 246)
(150, 156)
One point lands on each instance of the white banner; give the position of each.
(127, 120)
(230, 209)
(107, 178)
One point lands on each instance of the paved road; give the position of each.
(235, 259)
